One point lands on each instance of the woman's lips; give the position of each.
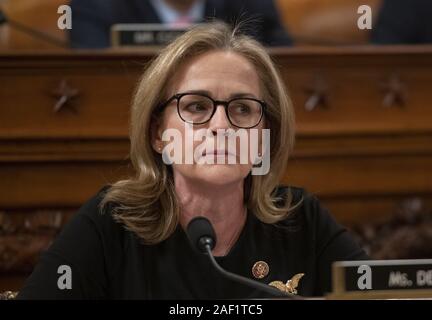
(218, 152)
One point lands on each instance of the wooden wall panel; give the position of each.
(359, 156)
(40, 15)
(325, 21)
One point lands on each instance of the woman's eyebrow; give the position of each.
(232, 96)
(242, 95)
(204, 92)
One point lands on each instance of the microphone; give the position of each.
(202, 236)
(32, 32)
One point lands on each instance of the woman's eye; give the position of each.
(196, 107)
(242, 109)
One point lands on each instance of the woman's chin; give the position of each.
(220, 174)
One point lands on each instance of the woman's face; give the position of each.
(222, 76)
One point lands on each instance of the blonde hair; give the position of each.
(146, 204)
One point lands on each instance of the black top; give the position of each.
(110, 262)
(92, 19)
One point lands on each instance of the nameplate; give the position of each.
(382, 276)
(135, 35)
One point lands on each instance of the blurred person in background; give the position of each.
(403, 22)
(92, 19)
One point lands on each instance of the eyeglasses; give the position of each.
(199, 108)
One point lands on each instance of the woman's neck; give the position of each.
(223, 205)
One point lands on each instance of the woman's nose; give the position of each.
(219, 119)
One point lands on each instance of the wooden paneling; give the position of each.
(359, 156)
(53, 184)
(12, 282)
(40, 15)
(355, 88)
(353, 175)
(325, 21)
(39, 89)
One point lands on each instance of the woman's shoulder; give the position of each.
(310, 220)
(306, 211)
(101, 217)
(98, 225)
(91, 245)
(300, 199)
(283, 191)
(92, 208)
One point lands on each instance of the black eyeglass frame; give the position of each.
(216, 103)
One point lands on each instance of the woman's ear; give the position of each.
(156, 135)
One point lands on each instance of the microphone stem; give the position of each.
(35, 33)
(248, 282)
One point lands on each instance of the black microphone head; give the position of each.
(201, 233)
(3, 18)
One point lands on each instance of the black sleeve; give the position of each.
(81, 247)
(333, 243)
(91, 23)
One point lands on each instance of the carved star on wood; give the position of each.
(394, 92)
(317, 94)
(65, 95)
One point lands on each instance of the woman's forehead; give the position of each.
(217, 70)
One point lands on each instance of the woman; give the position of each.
(129, 240)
